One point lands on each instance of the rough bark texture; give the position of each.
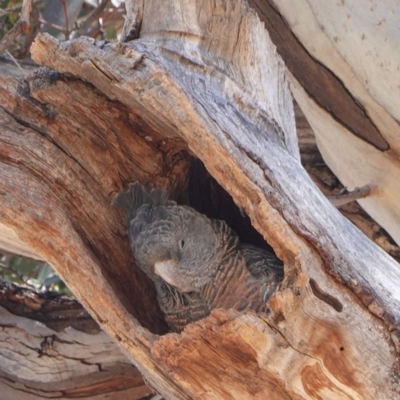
(203, 78)
(51, 348)
(86, 158)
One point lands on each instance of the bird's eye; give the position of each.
(182, 243)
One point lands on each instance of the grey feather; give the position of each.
(196, 264)
(136, 196)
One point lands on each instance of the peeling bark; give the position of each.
(343, 62)
(330, 185)
(319, 82)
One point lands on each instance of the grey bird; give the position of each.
(196, 263)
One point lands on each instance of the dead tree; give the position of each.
(199, 79)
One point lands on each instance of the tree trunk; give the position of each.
(344, 71)
(201, 79)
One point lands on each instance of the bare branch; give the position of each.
(93, 16)
(348, 197)
(14, 8)
(52, 25)
(65, 8)
(10, 37)
(22, 26)
(25, 13)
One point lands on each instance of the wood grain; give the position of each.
(50, 347)
(204, 77)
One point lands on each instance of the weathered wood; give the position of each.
(345, 51)
(55, 311)
(86, 168)
(133, 21)
(10, 242)
(50, 359)
(92, 256)
(329, 185)
(203, 77)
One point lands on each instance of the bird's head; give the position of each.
(194, 254)
(181, 246)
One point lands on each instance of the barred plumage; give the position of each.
(197, 264)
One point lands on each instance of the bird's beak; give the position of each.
(167, 270)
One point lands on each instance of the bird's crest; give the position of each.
(137, 195)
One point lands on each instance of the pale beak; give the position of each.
(167, 270)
